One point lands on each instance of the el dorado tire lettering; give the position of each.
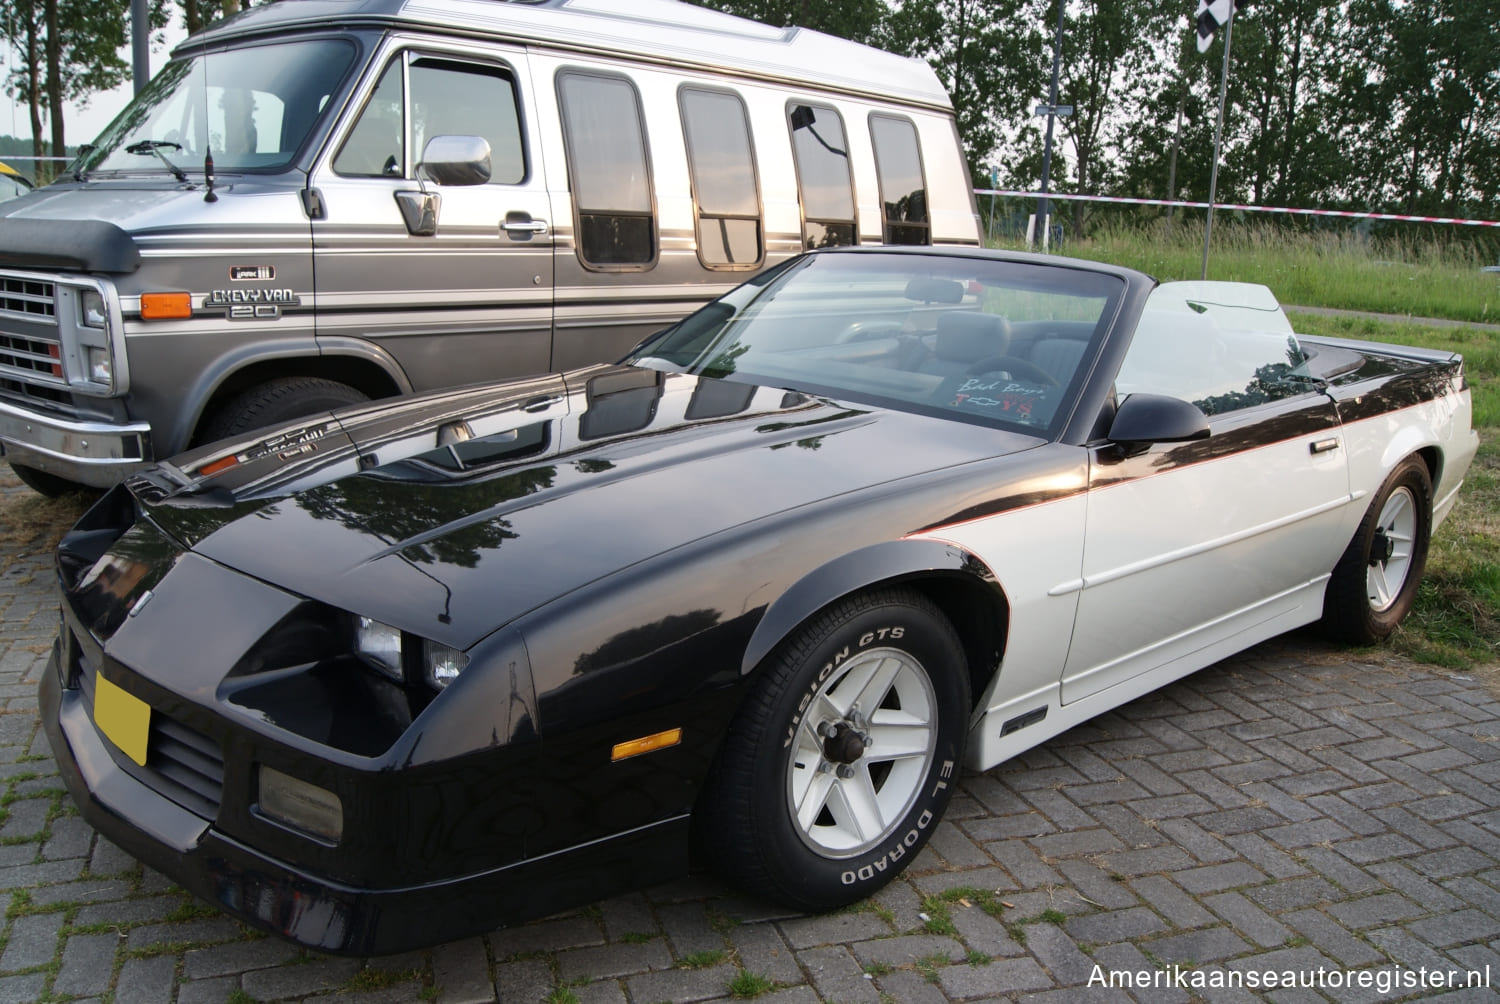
(897, 851)
(838, 765)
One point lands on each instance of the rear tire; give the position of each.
(44, 483)
(274, 401)
(841, 760)
(1376, 580)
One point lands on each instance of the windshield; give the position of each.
(968, 337)
(252, 107)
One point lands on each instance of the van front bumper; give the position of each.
(90, 453)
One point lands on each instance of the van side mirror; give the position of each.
(456, 160)
(447, 160)
(1143, 419)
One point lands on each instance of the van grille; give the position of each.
(30, 342)
(27, 296)
(36, 354)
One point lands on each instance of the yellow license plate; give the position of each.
(124, 718)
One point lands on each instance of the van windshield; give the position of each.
(252, 107)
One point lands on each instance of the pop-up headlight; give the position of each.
(442, 664)
(379, 645)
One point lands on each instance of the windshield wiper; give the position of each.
(83, 154)
(146, 146)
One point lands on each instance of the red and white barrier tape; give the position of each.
(1346, 214)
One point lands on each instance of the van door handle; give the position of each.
(519, 224)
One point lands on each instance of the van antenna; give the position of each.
(208, 137)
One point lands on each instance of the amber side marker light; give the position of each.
(166, 306)
(222, 464)
(646, 744)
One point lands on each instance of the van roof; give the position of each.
(666, 31)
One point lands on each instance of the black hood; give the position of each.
(453, 541)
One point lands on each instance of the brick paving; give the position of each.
(1295, 810)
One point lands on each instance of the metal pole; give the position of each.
(1213, 177)
(140, 44)
(1043, 209)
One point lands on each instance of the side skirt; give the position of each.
(988, 748)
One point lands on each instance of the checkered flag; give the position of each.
(1211, 14)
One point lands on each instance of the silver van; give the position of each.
(321, 201)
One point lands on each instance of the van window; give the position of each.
(823, 178)
(903, 190)
(447, 99)
(251, 107)
(376, 146)
(608, 170)
(721, 157)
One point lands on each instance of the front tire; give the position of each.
(276, 401)
(45, 483)
(1376, 580)
(842, 758)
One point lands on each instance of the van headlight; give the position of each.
(91, 310)
(101, 365)
(386, 649)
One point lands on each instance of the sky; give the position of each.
(83, 124)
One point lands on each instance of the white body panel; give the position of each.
(1175, 560)
(1186, 564)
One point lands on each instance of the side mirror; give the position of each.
(447, 160)
(456, 160)
(1143, 419)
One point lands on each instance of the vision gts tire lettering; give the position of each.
(841, 760)
(1374, 583)
(277, 401)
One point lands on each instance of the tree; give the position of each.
(70, 50)
(197, 14)
(987, 54)
(1431, 92)
(859, 20)
(24, 28)
(1116, 56)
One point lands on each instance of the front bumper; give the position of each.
(313, 911)
(90, 453)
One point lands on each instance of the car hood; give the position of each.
(628, 464)
(141, 204)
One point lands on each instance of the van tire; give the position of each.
(44, 483)
(276, 401)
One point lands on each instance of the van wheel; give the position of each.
(843, 756)
(276, 401)
(1376, 580)
(43, 483)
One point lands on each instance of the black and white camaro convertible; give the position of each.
(414, 669)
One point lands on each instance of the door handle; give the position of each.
(1323, 445)
(519, 223)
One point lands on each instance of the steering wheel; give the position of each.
(1016, 366)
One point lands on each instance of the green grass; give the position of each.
(1321, 269)
(1456, 619)
(748, 985)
